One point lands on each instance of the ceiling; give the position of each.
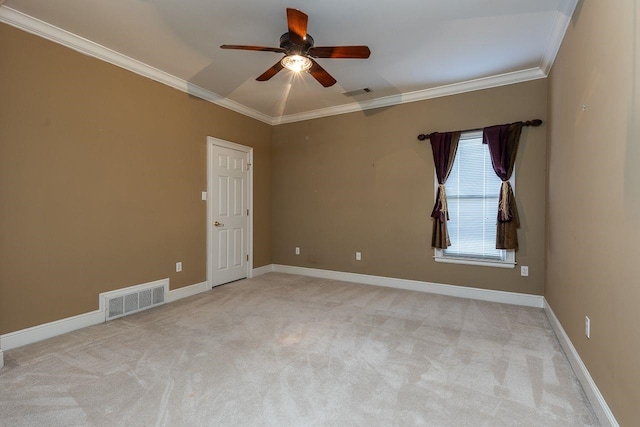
(419, 48)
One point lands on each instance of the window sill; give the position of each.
(475, 261)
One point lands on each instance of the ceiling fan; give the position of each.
(299, 50)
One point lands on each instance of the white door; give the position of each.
(229, 222)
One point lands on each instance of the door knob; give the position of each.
(218, 224)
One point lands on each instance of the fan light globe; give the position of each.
(296, 63)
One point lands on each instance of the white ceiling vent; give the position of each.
(130, 300)
(357, 92)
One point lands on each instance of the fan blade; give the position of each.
(259, 48)
(270, 72)
(297, 23)
(321, 75)
(356, 52)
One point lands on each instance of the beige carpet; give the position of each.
(284, 350)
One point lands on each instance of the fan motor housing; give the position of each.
(294, 48)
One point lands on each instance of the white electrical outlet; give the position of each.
(297, 250)
(358, 256)
(587, 326)
(178, 267)
(524, 270)
(204, 195)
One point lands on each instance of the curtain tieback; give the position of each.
(442, 198)
(504, 202)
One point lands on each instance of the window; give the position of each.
(472, 199)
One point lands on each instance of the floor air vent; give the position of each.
(134, 299)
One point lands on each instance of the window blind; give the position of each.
(472, 197)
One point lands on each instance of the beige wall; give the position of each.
(101, 172)
(363, 182)
(594, 197)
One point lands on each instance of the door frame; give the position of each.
(211, 142)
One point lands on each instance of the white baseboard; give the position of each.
(262, 270)
(415, 285)
(52, 329)
(600, 407)
(187, 291)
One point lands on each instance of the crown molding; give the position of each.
(87, 47)
(562, 21)
(420, 95)
(80, 44)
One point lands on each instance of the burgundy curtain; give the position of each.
(444, 147)
(503, 145)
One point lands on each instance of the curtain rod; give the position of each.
(534, 123)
